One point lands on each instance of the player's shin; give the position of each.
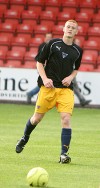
(22, 142)
(65, 139)
(29, 128)
(65, 142)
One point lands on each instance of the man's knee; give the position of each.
(36, 118)
(65, 119)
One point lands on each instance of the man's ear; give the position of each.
(76, 32)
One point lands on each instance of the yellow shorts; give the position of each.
(61, 98)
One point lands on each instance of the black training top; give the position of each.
(61, 60)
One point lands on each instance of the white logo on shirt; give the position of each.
(58, 48)
(64, 54)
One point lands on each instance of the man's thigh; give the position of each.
(46, 100)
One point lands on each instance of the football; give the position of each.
(37, 177)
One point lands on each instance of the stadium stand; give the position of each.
(23, 24)
(90, 57)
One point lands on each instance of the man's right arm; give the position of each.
(46, 81)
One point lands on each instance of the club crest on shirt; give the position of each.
(64, 54)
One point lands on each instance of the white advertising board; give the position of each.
(89, 84)
(15, 83)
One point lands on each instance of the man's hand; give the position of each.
(48, 83)
(67, 81)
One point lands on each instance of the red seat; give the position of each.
(18, 8)
(83, 29)
(63, 16)
(90, 57)
(97, 69)
(13, 63)
(70, 3)
(36, 3)
(8, 27)
(25, 28)
(87, 4)
(96, 24)
(18, 2)
(1, 14)
(1, 63)
(48, 15)
(15, 55)
(93, 43)
(84, 16)
(5, 39)
(2, 10)
(53, 3)
(12, 21)
(69, 9)
(5, 2)
(48, 23)
(90, 11)
(3, 53)
(35, 8)
(5, 48)
(33, 22)
(28, 36)
(94, 31)
(98, 5)
(3, 7)
(96, 18)
(29, 65)
(98, 60)
(87, 67)
(20, 41)
(36, 41)
(30, 55)
(79, 40)
(30, 15)
(52, 9)
(12, 14)
(20, 48)
(57, 30)
(41, 29)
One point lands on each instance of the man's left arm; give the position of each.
(67, 80)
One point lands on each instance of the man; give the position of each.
(63, 59)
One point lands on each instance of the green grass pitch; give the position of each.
(43, 148)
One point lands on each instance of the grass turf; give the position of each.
(43, 149)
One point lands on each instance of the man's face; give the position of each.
(70, 29)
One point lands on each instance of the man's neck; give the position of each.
(68, 40)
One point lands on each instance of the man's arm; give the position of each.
(46, 81)
(67, 81)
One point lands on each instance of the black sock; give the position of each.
(65, 139)
(29, 128)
